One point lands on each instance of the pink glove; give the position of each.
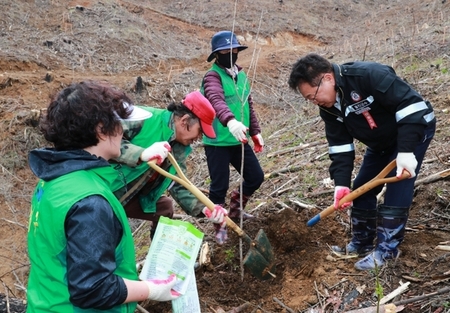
(161, 289)
(217, 216)
(406, 161)
(339, 193)
(158, 150)
(238, 130)
(258, 142)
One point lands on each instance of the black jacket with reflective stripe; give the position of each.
(377, 108)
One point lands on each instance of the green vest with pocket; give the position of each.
(47, 246)
(236, 97)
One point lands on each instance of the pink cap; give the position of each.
(203, 109)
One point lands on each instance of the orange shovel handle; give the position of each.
(376, 181)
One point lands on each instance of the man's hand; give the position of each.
(161, 289)
(238, 130)
(217, 216)
(158, 150)
(406, 161)
(258, 142)
(339, 193)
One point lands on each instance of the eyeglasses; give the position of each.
(317, 90)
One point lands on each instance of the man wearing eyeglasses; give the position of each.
(367, 101)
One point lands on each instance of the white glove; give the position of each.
(161, 289)
(406, 161)
(238, 130)
(339, 193)
(158, 150)
(217, 216)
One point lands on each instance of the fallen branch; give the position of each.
(399, 304)
(423, 297)
(388, 308)
(433, 178)
(443, 248)
(257, 207)
(300, 147)
(238, 309)
(283, 305)
(303, 205)
(395, 293)
(16, 223)
(289, 169)
(277, 191)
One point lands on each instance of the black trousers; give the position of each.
(219, 160)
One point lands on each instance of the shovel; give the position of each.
(376, 181)
(259, 260)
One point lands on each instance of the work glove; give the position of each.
(406, 161)
(238, 130)
(339, 193)
(258, 143)
(161, 289)
(158, 150)
(217, 216)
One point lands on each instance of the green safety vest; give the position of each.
(47, 245)
(153, 130)
(236, 97)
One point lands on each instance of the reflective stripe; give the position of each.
(410, 109)
(429, 117)
(343, 148)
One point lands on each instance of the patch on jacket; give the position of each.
(355, 96)
(359, 107)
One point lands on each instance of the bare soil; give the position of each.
(47, 44)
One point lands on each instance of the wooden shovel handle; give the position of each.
(376, 181)
(182, 179)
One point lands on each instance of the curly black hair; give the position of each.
(75, 113)
(307, 70)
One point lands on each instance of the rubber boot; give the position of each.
(364, 223)
(235, 207)
(390, 233)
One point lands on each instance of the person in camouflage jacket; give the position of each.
(173, 129)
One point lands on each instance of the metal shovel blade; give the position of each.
(260, 260)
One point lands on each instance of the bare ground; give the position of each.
(45, 45)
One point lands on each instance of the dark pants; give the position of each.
(398, 194)
(387, 221)
(219, 160)
(164, 207)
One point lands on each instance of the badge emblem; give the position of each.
(355, 96)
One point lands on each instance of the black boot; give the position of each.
(235, 207)
(364, 223)
(390, 233)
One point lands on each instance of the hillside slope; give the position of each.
(47, 44)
